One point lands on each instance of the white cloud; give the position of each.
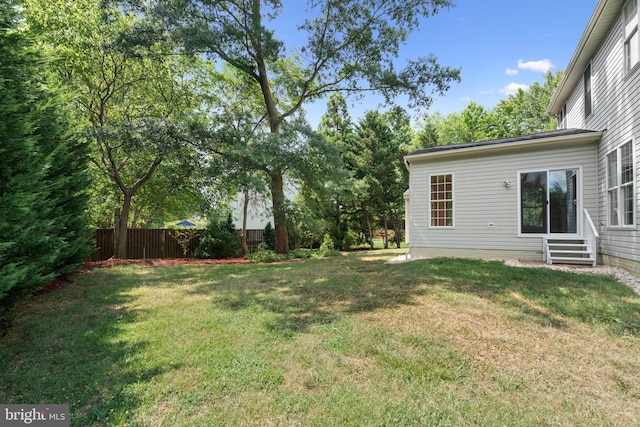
(511, 72)
(487, 92)
(512, 88)
(466, 99)
(541, 66)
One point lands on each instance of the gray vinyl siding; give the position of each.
(616, 108)
(481, 198)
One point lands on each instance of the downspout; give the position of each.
(407, 212)
(600, 223)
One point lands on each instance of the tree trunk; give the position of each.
(386, 233)
(137, 212)
(120, 231)
(275, 119)
(279, 215)
(121, 227)
(370, 231)
(396, 228)
(243, 237)
(339, 225)
(150, 217)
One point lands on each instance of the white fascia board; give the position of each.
(556, 142)
(599, 25)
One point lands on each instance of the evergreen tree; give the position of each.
(20, 229)
(219, 240)
(269, 237)
(67, 179)
(338, 129)
(42, 174)
(368, 159)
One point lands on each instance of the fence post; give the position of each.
(163, 245)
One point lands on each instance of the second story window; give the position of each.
(587, 91)
(562, 118)
(631, 40)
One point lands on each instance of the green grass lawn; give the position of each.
(325, 342)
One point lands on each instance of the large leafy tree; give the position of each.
(42, 172)
(522, 113)
(230, 134)
(133, 103)
(350, 46)
(474, 123)
(241, 152)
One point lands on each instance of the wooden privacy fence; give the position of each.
(254, 238)
(145, 243)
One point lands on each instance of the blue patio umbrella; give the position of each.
(186, 223)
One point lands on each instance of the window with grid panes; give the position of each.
(441, 200)
(620, 192)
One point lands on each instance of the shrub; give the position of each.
(219, 240)
(300, 253)
(327, 248)
(269, 237)
(266, 255)
(349, 241)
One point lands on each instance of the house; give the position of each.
(259, 207)
(570, 195)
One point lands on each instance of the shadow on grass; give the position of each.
(68, 347)
(320, 291)
(316, 291)
(541, 295)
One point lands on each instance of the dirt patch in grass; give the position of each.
(55, 284)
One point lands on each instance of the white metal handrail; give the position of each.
(546, 253)
(591, 235)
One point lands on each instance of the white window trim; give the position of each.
(584, 91)
(619, 186)
(453, 202)
(629, 30)
(579, 207)
(562, 117)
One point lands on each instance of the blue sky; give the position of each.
(500, 45)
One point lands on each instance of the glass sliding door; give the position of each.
(533, 202)
(549, 202)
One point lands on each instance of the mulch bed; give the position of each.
(162, 262)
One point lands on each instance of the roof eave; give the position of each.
(563, 140)
(604, 15)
